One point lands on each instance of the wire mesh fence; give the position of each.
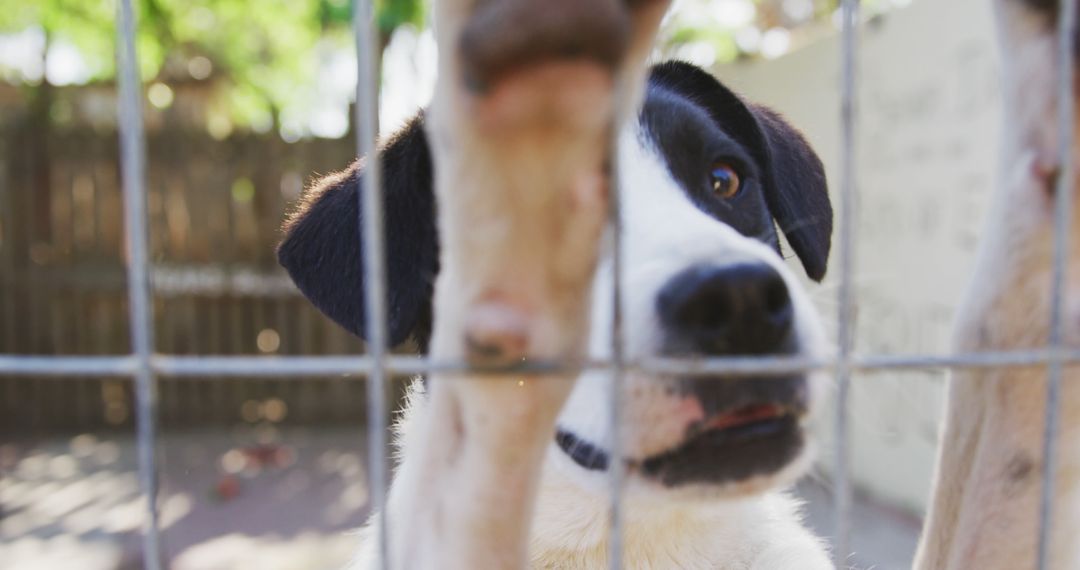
(144, 365)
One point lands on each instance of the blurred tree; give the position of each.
(721, 31)
(258, 51)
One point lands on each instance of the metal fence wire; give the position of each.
(378, 365)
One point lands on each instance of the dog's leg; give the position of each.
(519, 127)
(986, 498)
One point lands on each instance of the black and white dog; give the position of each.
(707, 179)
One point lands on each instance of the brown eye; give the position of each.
(724, 179)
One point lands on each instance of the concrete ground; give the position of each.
(882, 537)
(256, 497)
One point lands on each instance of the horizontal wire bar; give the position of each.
(286, 366)
(17, 365)
(196, 367)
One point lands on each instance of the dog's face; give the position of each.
(702, 277)
(705, 181)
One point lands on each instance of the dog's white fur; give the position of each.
(985, 505)
(737, 526)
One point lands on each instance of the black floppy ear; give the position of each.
(797, 193)
(794, 179)
(321, 248)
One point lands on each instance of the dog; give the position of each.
(706, 180)
(985, 502)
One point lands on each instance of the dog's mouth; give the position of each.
(745, 418)
(754, 439)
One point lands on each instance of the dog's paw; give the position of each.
(551, 63)
(528, 97)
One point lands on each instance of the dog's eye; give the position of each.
(724, 179)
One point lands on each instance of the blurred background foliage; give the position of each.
(265, 65)
(259, 55)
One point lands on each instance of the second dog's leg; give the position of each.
(986, 497)
(520, 128)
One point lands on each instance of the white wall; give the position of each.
(928, 126)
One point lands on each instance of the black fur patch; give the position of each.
(321, 249)
(792, 177)
(690, 142)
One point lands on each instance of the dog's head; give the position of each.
(706, 179)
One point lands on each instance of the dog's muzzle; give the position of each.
(752, 426)
(749, 426)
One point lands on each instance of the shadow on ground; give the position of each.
(256, 497)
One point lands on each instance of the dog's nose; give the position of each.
(727, 309)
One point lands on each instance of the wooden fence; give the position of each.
(215, 209)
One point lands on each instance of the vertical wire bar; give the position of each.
(370, 210)
(140, 314)
(618, 364)
(846, 304)
(1063, 205)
